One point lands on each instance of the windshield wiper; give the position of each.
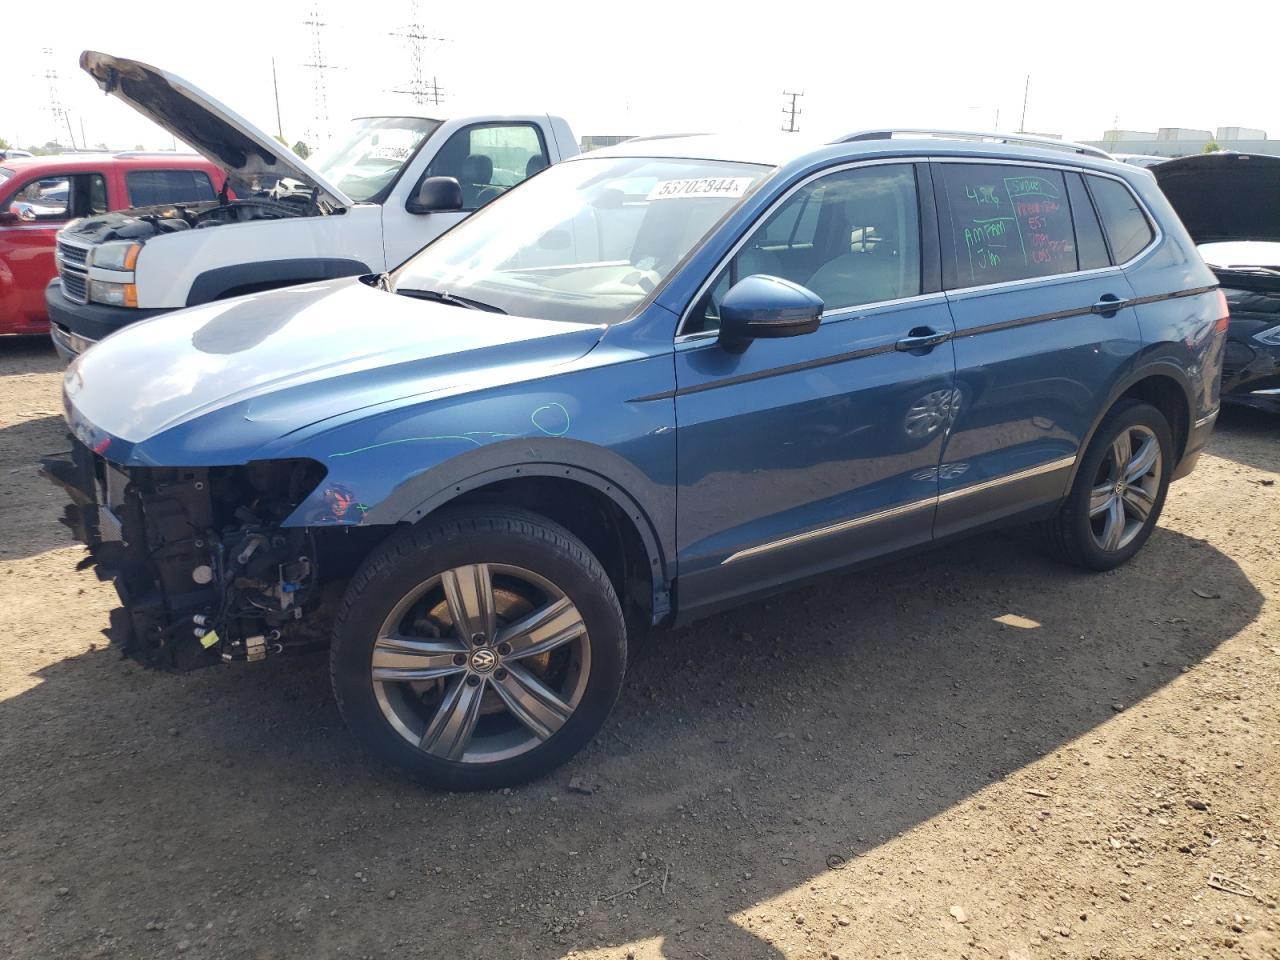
(438, 296)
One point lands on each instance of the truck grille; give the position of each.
(75, 286)
(72, 255)
(73, 268)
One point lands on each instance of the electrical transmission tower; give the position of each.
(319, 129)
(791, 110)
(55, 99)
(419, 88)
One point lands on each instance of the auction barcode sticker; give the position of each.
(703, 187)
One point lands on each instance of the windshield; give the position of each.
(586, 240)
(370, 152)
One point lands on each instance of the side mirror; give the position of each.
(761, 306)
(436, 194)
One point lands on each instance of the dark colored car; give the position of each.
(643, 385)
(1230, 204)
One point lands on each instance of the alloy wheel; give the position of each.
(481, 663)
(1125, 488)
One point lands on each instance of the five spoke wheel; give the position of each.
(1125, 488)
(481, 662)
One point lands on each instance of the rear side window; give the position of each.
(153, 187)
(1127, 228)
(1090, 246)
(1006, 222)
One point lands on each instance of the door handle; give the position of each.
(1109, 305)
(922, 338)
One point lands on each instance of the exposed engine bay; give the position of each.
(204, 570)
(141, 223)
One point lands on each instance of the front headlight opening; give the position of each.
(118, 255)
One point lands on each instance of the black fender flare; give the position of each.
(1153, 368)
(214, 284)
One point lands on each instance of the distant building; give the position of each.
(1183, 141)
(596, 142)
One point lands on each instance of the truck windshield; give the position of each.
(366, 156)
(586, 240)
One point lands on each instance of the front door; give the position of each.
(803, 454)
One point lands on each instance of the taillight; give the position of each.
(1224, 313)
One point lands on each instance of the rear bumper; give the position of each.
(1201, 430)
(84, 324)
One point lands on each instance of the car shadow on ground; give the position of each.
(1237, 434)
(31, 501)
(746, 750)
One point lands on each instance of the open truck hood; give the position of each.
(1224, 196)
(191, 115)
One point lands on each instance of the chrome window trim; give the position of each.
(1052, 466)
(765, 214)
(1158, 234)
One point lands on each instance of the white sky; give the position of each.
(661, 66)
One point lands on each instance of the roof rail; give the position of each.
(1025, 139)
(663, 136)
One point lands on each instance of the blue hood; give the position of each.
(213, 384)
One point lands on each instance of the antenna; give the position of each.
(319, 129)
(792, 111)
(419, 88)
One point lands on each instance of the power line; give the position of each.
(55, 99)
(419, 88)
(319, 130)
(791, 110)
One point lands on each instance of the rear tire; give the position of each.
(1119, 489)
(479, 650)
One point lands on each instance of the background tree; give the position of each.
(302, 150)
(1212, 147)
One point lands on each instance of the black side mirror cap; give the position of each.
(436, 194)
(766, 307)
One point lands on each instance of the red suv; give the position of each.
(39, 195)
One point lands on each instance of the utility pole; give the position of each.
(55, 99)
(791, 110)
(319, 95)
(1026, 91)
(418, 88)
(275, 84)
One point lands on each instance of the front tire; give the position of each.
(478, 651)
(1119, 489)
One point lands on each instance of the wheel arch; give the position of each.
(241, 278)
(1166, 387)
(626, 542)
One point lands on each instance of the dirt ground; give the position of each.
(975, 753)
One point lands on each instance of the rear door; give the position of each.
(802, 454)
(1042, 334)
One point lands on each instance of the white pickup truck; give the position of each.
(365, 203)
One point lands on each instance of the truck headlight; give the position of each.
(1270, 337)
(117, 255)
(113, 294)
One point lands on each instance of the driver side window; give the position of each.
(852, 237)
(489, 159)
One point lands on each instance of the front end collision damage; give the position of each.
(204, 570)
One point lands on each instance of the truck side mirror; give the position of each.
(436, 194)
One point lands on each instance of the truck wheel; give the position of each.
(1119, 489)
(478, 651)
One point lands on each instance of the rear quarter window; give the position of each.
(1123, 220)
(153, 187)
(1005, 222)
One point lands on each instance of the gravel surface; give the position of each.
(975, 753)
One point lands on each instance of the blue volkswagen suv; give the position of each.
(648, 383)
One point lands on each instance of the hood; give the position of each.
(1224, 196)
(191, 115)
(214, 383)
